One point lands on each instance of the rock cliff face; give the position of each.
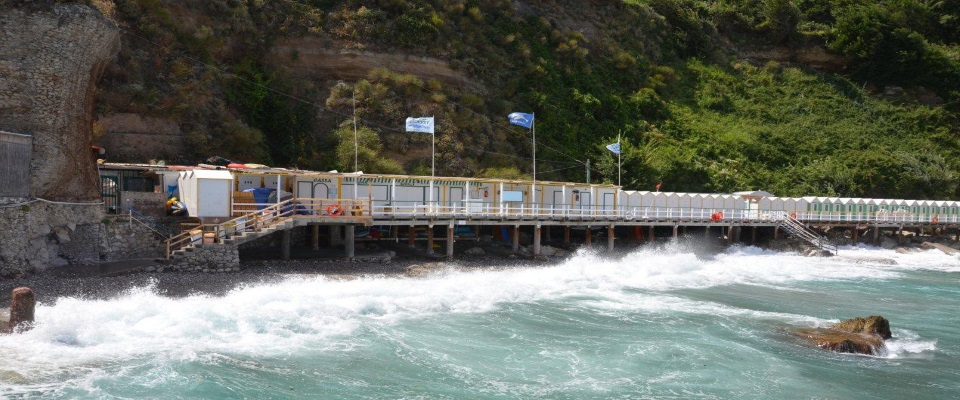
(49, 64)
(50, 61)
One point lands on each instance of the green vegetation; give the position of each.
(709, 95)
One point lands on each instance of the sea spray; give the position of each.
(667, 322)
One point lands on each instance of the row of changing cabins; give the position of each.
(219, 197)
(219, 193)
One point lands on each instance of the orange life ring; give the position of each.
(936, 219)
(716, 217)
(793, 215)
(334, 210)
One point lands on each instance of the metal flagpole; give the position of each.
(533, 186)
(619, 164)
(433, 158)
(356, 150)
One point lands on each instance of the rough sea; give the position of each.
(657, 324)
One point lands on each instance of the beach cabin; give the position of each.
(207, 194)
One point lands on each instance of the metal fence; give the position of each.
(16, 150)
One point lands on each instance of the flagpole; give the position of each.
(356, 150)
(619, 164)
(533, 187)
(433, 157)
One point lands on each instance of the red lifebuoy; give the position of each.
(334, 210)
(793, 215)
(716, 217)
(936, 219)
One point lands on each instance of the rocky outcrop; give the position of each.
(312, 57)
(49, 64)
(50, 60)
(135, 138)
(815, 57)
(858, 335)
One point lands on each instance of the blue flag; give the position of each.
(422, 124)
(522, 119)
(615, 148)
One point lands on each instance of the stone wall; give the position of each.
(209, 258)
(124, 239)
(39, 235)
(49, 63)
(15, 155)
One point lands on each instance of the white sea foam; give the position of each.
(315, 313)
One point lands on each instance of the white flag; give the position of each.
(422, 124)
(615, 148)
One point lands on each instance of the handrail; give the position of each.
(261, 219)
(797, 228)
(273, 214)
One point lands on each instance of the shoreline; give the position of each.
(90, 282)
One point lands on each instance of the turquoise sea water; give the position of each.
(657, 324)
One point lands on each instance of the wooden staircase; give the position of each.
(799, 230)
(234, 232)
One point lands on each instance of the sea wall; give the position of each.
(39, 235)
(209, 258)
(126, 239)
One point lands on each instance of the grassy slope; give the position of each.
(692, 115)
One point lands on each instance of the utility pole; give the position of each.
(588, 170)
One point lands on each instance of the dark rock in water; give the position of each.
(424, 269)
(843, 342)
(872, 325)
(858, 335)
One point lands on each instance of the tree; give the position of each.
(365, 148)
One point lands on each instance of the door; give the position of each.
(110, 191)
(454, 199)
(558, 205)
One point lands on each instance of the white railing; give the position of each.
(626, 213)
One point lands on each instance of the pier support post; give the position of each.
(516, 238)
(536, 240)
(652, 234)
(395, 233)
(589, 236)
(676, 231)
(412, 233)
(900, 236)
(334, 235)
(22, 304)
(429, 239)
(854, 234)
(350, 241)
(706, 231)
(611, 236)
(566, 235)
(776, 232)
(753, 236)
(450, 240)
(730, 232)
(285, 244)
(315, 237)
(876, 235)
